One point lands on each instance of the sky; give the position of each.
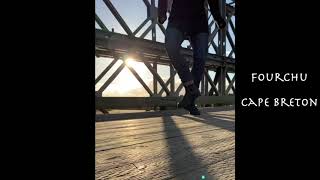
(134, 12)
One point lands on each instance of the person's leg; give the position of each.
(199, 44)
(173, 40)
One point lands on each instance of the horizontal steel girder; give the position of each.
(110, 44)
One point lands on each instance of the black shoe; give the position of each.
(192, 109)
(192, 92)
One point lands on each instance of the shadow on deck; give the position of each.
(166, 145)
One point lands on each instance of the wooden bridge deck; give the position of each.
(166, 145)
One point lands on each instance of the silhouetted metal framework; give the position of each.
(150, 52)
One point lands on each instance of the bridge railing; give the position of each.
(120, 46)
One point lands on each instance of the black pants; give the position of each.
(199, 42)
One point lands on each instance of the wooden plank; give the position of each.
(136, 127)
(154, 164)
(154, 134)
(123, 138)
(144, 130)
(113, 143)
(178, 163)
(141, 119)
(178, 155)
(224, 169)
(157, 148)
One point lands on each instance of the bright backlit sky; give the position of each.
(133, 12)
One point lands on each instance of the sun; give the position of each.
(130, 62)
(137, 66)
(126, 81)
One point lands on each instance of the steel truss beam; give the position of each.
(151, 53)
(109, 44)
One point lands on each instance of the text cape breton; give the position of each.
(279, 101)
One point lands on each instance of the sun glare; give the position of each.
(130, 62)
(126, 80)
(126, 84)
(137, 66)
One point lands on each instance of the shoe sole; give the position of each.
(186, 108)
